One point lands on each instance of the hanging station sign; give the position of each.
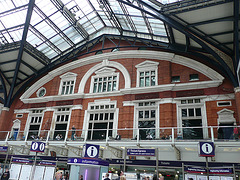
(141, 152)
(206, 149)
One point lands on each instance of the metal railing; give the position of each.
(172, 134)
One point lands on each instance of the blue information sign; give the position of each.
(206, 149)
(141, 152)
(91, 151)
(3, 148)
(37, 146)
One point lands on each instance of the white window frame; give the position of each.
(147, 66)
(101, 102)
(34, 113)
(105, 72)
(54, 119)
(66, 78)
(194, 105)
(137, 108)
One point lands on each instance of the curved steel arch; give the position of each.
(188, 32)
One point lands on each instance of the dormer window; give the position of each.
(67, 83)
(105, 80)
(147, 72)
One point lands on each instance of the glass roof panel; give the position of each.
(60, 43)
(43, 28)
(73, 35)
(46, 6)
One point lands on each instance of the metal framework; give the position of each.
(66, 30)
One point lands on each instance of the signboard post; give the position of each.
(36, 147)
(206, 149)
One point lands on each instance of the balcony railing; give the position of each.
(171, 134)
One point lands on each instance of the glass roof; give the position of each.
(57, 26)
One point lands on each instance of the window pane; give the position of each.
(99, 87)
(71, 90)
(141, 73)
(110, 86)
(114, 85)
(198, 111)
(63, 90)
(106, 116)
(95, 87)
(67, 116)
(104, 87)
(152, 113)
(184, 112)
(153, 81)
(141, 82)
(91, 117)
(147, 81)
(191, 112)
(101, 116)
(111, 116)
(96, 117)
(146, 114)
(67, 90)
(140, 114)
(147, 73)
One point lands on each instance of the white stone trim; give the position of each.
(122, 55)
(237, 89)
(69, 76)
(105, 63)
(137, 90)
(147, 66)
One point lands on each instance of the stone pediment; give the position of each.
(225, 116)
(68, 74)
(147, 64)
(105, 70)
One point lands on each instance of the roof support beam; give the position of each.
(19, 59)
(236, 35)
(229, 18)
(188, 32)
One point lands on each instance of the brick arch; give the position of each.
(105, 63)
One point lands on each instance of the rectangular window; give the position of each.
(175, 79)
(62, 118)
(105, 84)
(101, 122)
(67, 87)
(146, 119)
(147, 78)
(192, 117)
(35, 123)
(193, 77)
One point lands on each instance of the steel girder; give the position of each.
(80, 51)
(189, 33)
(7, 103)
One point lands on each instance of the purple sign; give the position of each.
(206, 149)
(16, 160)
(221, 171)
(91, 151)
(46, 163)
(98, 162)
(37, 146)
(3, 148)
(141, 152)
(195, 170)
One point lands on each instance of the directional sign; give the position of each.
(141, 152)
(91, 151)
(37, 146)
(206, 149)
